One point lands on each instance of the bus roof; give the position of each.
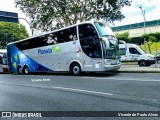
(92, 21)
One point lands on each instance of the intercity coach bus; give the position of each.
(84, 47)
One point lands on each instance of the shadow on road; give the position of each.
(90, 74)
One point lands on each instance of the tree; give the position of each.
(156, 35)
(51, 14)
(150, 42)
(123, 36)
(10, 32)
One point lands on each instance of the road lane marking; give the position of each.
(80, 90)
(62, 88)
(121, 79)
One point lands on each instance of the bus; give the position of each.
(89, 46)
(3, 60)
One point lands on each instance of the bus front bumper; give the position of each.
(112, 67)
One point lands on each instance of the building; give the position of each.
(8, 16)
(137, 29)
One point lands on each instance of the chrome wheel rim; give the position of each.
(26, 70)
(76, 70)
(20, 70)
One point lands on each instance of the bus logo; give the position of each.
(49, 50)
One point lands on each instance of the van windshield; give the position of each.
(140, 50)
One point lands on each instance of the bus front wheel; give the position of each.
(75, 69)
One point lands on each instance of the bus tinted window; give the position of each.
(61, 36)
(89, 41)
(69, 34)
(87, 30)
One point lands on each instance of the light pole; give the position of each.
(143, 13)
(18, 18)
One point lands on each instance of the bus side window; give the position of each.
(89, 41)
(96, 48)
(70, 34)
(87, 30)
(62, 36)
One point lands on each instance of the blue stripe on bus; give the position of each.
(16, 57)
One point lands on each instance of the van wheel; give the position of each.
(20, 71)
(75, 69)
(26, 70)
(142, 63)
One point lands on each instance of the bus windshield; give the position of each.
(110, 49)
(103, 29)
(110, 43)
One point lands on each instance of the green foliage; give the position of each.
(151, 39)
(10, 32)
(137, 40)
(51, 14)
(123, 36)
(156, 36)
(155, 48)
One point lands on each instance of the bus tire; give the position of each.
(26, 70)
(142, 63)
(75, 69)
(20, 70)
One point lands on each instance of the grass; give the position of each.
(154, 45)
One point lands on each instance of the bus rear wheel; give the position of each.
(20, 71)
(75, 69)
(26, 70)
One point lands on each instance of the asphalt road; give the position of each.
(89, 92)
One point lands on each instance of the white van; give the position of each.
(3, 60)
(133, 53)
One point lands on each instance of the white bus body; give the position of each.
(133, 53)
(87, 46)
(3, 60)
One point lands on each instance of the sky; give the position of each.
(133, 13)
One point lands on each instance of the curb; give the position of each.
(138, 71)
